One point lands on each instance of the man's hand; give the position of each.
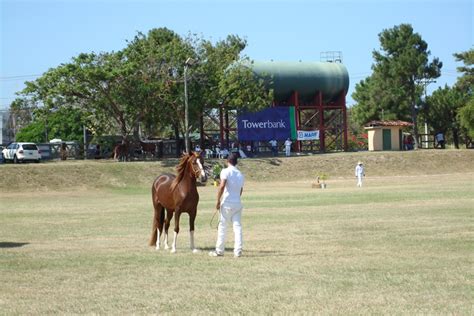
(220, 191)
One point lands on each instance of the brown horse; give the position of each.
(149, 148)
(121, 152)
(177, 194)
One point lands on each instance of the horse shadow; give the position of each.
(251, 253)
(7, 244)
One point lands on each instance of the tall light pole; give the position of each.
(425, 82)
(188, 63)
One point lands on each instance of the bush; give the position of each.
(216, 171)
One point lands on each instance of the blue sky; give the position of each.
(36, 35)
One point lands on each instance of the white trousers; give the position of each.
(230, 213)
(359, 180)
(288, 151)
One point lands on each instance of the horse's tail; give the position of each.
(115, 152)
(158, 217)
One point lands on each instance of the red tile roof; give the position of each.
(388, 123)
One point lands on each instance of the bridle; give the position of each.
(197, 173)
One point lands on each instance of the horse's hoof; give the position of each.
(173, 251)
(157, 248)
(196, 251)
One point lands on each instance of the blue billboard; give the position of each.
(273, 123)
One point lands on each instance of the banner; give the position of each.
(273, 123)
(308, 135)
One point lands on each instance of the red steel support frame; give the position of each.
(322, 131)
(318, 105)
(344, 113)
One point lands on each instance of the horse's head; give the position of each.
(197, 166)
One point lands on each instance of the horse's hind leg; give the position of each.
(169, 217)
(157, 227)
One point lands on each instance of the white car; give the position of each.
(17, 152)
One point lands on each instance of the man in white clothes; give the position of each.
(288, 147)
(230, 206)
(359, 173)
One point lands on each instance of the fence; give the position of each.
(426, 141)
(72, 150)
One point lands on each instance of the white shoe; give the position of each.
(215, 254)
(237, 255)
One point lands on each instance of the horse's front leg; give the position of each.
(176, 230)
(192, 217)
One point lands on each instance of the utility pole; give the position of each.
(189, 62)
(84, 132)
(425, 82)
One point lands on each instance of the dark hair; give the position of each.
(232, 159)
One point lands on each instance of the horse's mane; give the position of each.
(180, 168)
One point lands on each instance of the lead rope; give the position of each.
(212, 218)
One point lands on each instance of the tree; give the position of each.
(465, 83)
(442, 111)
(223, 78)
(21, 114)
(466, 117)
(211, 80)
(396, 84)
(160, 54)
(117, 87)
(64, 123)
(143, 83)
(375, 103)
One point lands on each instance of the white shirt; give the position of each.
(359, 171)
(287, 143)
(233, 186)
(273, 143)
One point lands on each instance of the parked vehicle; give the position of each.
(19, 152)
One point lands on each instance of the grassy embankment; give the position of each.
(91, 174)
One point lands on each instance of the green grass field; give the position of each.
(402, 244)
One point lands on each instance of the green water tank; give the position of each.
(305, 77)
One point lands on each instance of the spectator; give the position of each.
(288, 147)
(97, 153)
(410, 142)
(405, 142)
(359, 173)
(439, 137)
(274, 144)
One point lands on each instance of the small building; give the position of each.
(386, 135)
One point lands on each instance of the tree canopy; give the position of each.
(466, 85)
(143, 83)
(442, 110)
(400, 71)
